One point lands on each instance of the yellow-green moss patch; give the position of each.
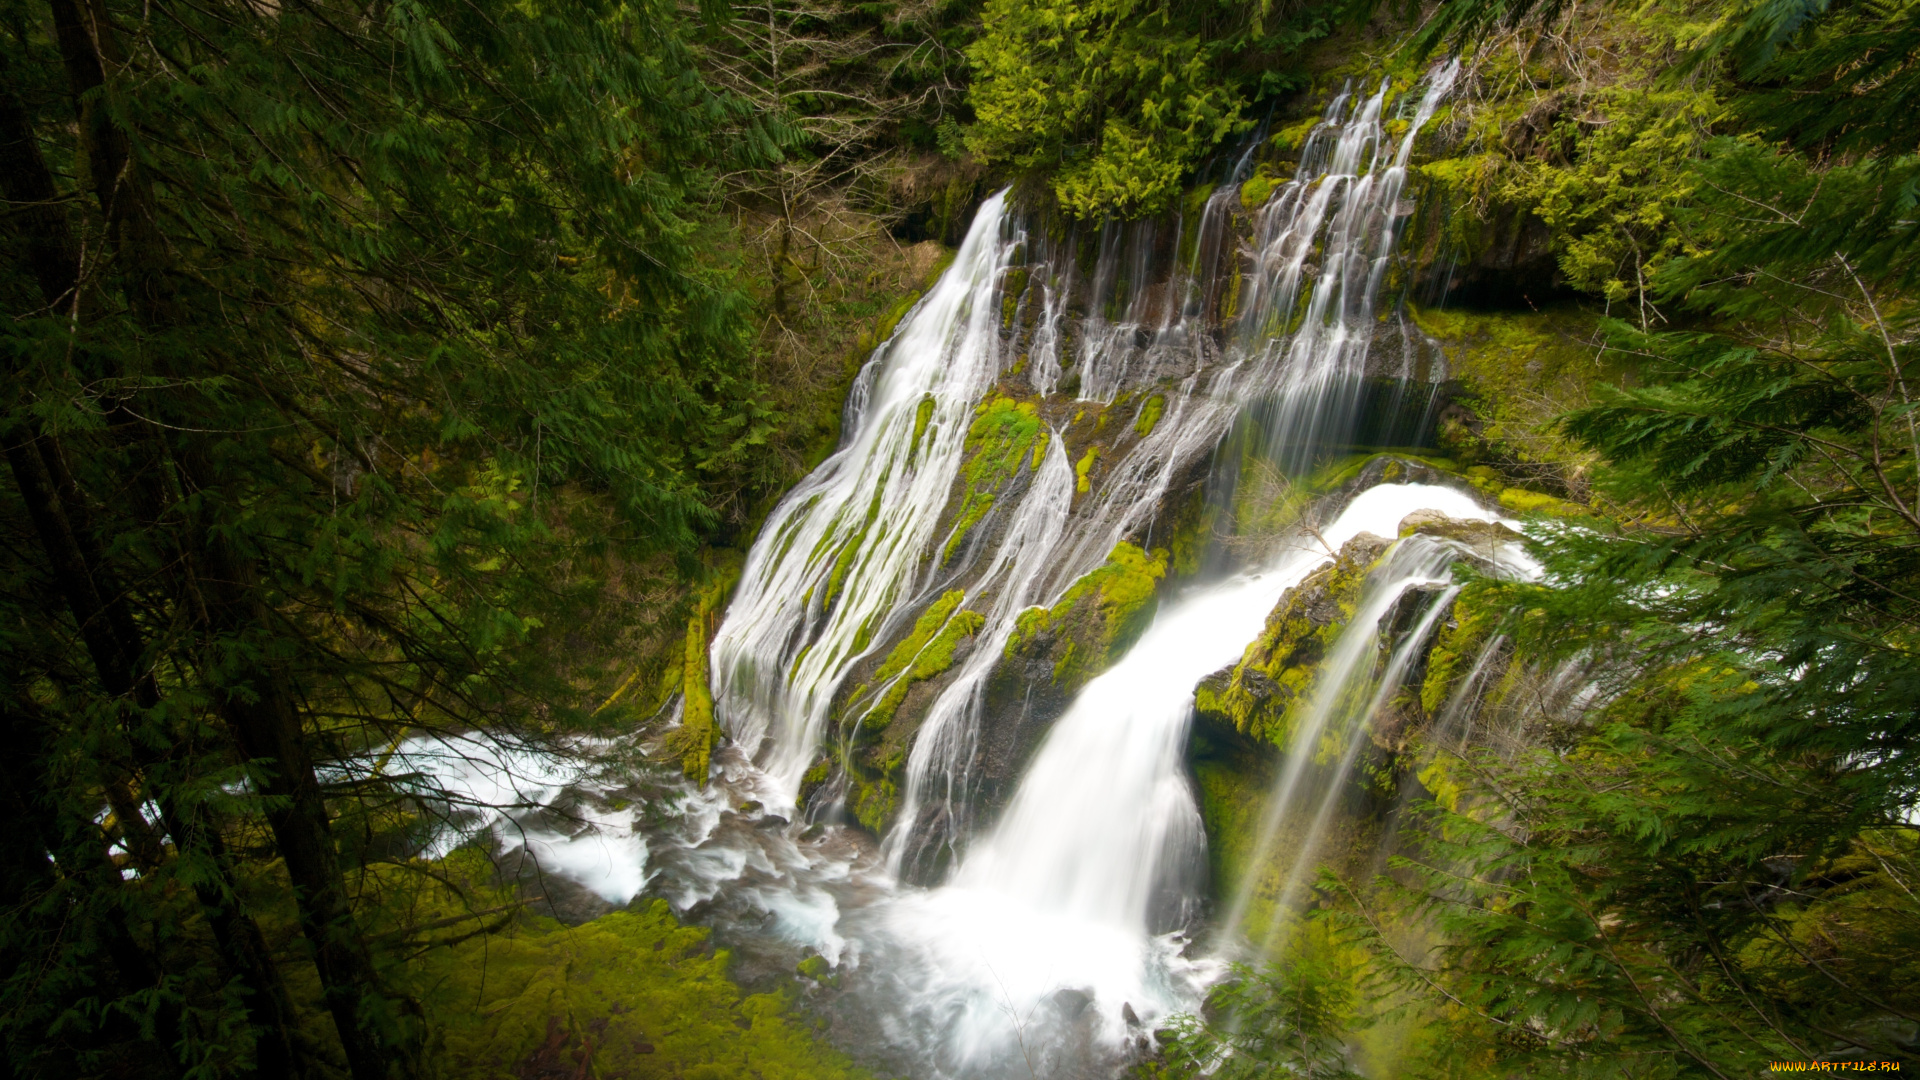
(1098, 616)
(693, 741)
(1150, 415)
(922, 416)
(1081, 468)
(925, 652)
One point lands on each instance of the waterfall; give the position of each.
(952, 721)
(1062, 895)
(1056, 937)
(839, 561)
(1349, 691)
(1345, 203)
(1302, 349)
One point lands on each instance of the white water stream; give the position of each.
(839, 562)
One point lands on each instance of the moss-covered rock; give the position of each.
(1005, 435)
(924, 653)
(1455, 645)
(1515, 374)
(693, 741)
(1259, 696)
(1150, 412)
(1095, 621)
(1083, 469)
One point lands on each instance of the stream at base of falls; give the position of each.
(1061, 937)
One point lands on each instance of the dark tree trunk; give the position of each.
(221, 587)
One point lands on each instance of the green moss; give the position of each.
(1257, 189)
(1040, 449)
(631, 994)
(972, 509)
(998, 443)
(873, 802)
(1454, 649)
(925, 652)
(864, 636)
(924, 629)
(922, 415)
(1231, 798)
(1520, 372)
(1097, 617)
(887, 325)
(1002, 431)
(1522, 501)
(843, 562)
(1261, 696)
(1084, 466)
(1011, 291)
(693, 741)
(1295, 137)
(1150, 415)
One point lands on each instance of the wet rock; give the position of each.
(1126, 1013)
(1071, 1003)
(1478, 534)
(1253, 697)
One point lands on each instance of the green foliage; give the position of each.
(1116, 101)
(366, 373)
(1703, 869)
(1283, 1020)
(1608, 188)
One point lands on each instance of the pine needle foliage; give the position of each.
(1705, 865)
(348, 349)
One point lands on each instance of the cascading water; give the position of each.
(839, 564)
(1301, 332)
(1058, 923)
(1350, 690)
(1057, 934)
(1344, 202)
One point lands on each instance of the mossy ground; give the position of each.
(633, 994)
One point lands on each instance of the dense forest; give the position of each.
(389, 372)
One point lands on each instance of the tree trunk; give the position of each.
(221, 587)
(107, 627)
